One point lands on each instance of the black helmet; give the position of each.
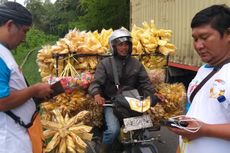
(118, 36)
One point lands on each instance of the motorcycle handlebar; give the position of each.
(108, 103)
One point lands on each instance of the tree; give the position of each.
(43, 14)
(54, 18)
(38, 11)
(63, 15)
(68, 12)
(105, 14)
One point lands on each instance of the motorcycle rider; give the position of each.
(132, 75)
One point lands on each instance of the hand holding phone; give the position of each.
(174, 123)
(57, 88)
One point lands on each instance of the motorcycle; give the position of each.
(136, 136)
(139, 137)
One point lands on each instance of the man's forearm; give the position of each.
(16, 99)
(217, 130)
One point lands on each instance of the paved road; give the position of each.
(169, 147)
(170, 138)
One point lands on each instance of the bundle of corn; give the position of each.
(88, 42)
(75, 42)
(69, 66)
(72, 104)
(82, 42)
(156, 76)
(146, 39)
(46, 62)
(95, 118)
(67, 134)
(86, 63)
(149, 38)
(67, 102)
(153, 62)
(174, 101)
(69, 69)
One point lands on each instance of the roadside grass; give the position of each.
(30, 68)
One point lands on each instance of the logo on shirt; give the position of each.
(217, 88)
(192, 86)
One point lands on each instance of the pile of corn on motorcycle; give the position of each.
(68, 118)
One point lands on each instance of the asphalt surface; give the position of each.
(171, 141)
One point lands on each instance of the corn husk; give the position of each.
(174, 102)
(64, 132)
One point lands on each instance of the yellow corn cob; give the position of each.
(53, 143)
(62, 146)
(59, 117)
(78, 141)
(50, 125)
(80, 129)
(48, 133)
(71, 147)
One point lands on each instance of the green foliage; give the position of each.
(63, 15)
(78, 25)
(34, 41)
(36, 8)
(54, 18)
(105, 14)
(30, 69)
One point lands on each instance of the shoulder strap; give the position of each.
(216, 69)
(115, 73)
(201, 84)
(18, 120)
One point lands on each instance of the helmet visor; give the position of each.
(120, 40)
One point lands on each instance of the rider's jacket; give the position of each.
(132, 75)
